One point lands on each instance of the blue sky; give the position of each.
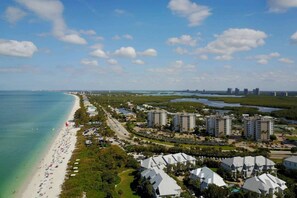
(148, 44)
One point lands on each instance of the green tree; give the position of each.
(294, 149)
(273, 137)
(214, 191)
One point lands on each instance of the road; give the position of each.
(280, 154)
(118, 128)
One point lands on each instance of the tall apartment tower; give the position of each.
(218, 126)
(256, 91)
(245, 91)
(156, 118)
(258, 128)
(184, 122)
(236, 91)
(284, 93)
(229, 91)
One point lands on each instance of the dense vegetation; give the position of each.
(99, 167)
(98, 171)
(194, 151)
(267, 101)
(289, 104)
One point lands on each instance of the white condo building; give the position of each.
(218, 125)
(265, 184)
(156, 118)
(258, 128)
(248, 166)
(184, 122)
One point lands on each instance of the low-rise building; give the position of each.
(163, 184)
(247, 166)
(157, 118)
(218, 125)
(206, 176)
(184, 122)
(265, 184)
(161, 161)
(258, 128)
(291, 163)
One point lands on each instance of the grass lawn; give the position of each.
(291, 138)
(277, 160)
(214, 169)
(126, 179)
(227, 147)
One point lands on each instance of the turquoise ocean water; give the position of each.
(28, 123)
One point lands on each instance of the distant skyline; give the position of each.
(148, 44)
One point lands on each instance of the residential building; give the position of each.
(245, 91)
(258, 128)
(92, 110)
(256, 91)
(163, 184)
(247, 166)
(206, 176)
(265, 184)
(157, 118)
(284, 93)
(218, 125)
(161, 161)
(290, 162)
(184, 122)
(237, 91)
(229, 91)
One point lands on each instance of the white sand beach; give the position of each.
(50, 173)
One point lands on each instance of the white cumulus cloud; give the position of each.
(294, 38)
(128, 52)
(203, 57)
(125, 36)
(232, 41)
(138, 62)
(116, 37)
(112, 61)
(182, 40)
(281, 5)
(17, 48)
(99, 53)
(128, 36)
(192, 11)
(18, 69)
(120, 11)
(286, 60)
(73, 38)
(52, 11)
(262, 61)
(14, 14)
(181, 51)
(149, 52)
(175, 68)
(264, 58)
(89, 62)
(88, 32)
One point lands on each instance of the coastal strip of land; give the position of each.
(51, 170)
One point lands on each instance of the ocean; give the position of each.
(29, 120)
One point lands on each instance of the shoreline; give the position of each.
(49, 173)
